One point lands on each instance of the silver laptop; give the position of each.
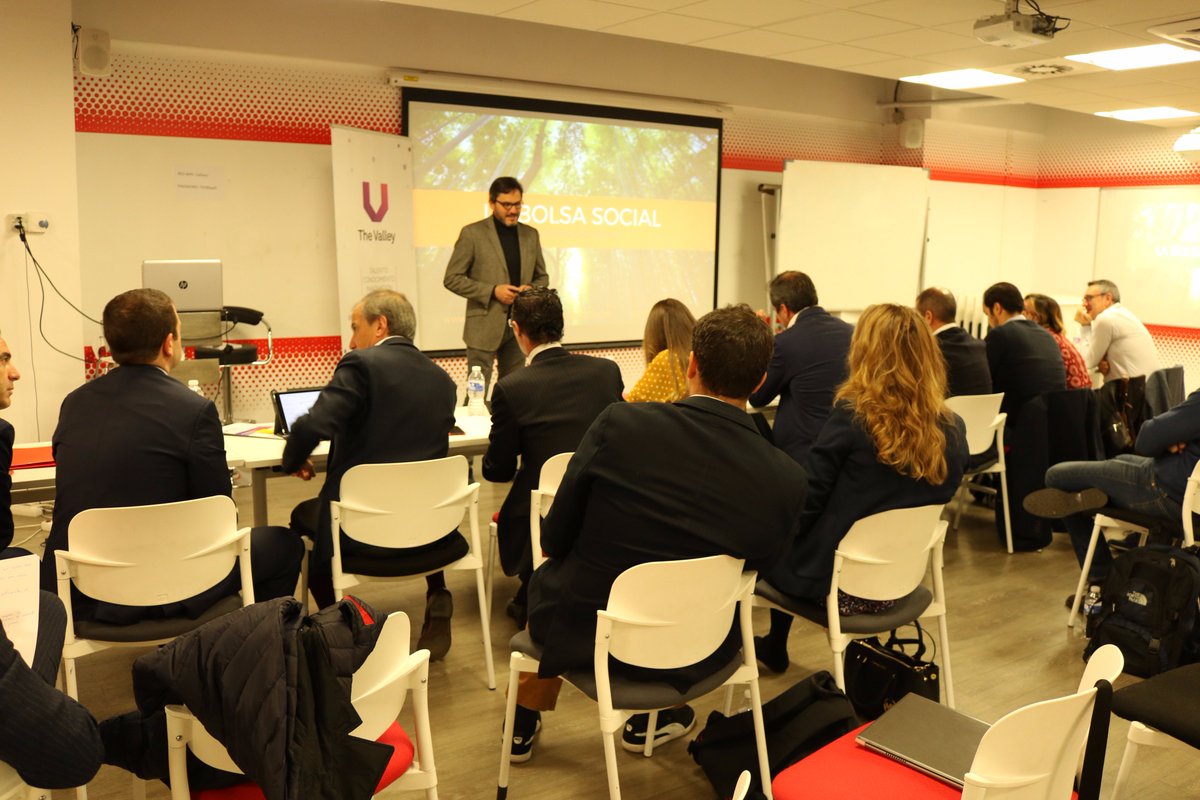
(192, 284)
(927, 736)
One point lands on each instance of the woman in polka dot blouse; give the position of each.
(666, 344)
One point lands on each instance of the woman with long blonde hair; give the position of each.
(890, 442)
(665, 344)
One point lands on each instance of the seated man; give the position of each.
(48, 738)
(659, 482)
(8, 374)
(137, 436)
(386, 402)
(965, 356)
(537, 413)
(1151, 481)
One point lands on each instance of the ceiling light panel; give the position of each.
(963, 79)
(1151, 55)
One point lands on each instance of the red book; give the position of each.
(31, 457)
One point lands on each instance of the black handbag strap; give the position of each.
(895, 642)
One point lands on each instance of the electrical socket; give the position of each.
(34, 221)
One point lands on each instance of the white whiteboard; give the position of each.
(1148, 243)
(857, 230)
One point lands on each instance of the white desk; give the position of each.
(262, 455)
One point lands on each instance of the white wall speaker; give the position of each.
(912, 133)
(95, 55)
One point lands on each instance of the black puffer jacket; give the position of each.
(274, 688)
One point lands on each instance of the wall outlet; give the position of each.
(34, 221)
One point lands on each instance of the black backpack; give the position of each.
(799, 721)
(1149, 608)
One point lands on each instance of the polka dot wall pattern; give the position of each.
(161, 96)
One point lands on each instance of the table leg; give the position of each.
(258, 494)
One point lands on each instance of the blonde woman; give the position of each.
(666, 344)
(890, 442)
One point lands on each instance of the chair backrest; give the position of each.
(1107, 662)
(541, 498)
(151, 555)
(669, 614)
(1031, 753)
(1191, 505)
(978, 412)
(886, 555)
(380, 686)
(405, 504)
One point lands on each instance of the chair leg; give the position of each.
(485, 622)
(727, 707)
(1003, 498)
(510, 717)
(610, 764)
(839, 667)
(964, 494)
(1131, 749)
(948, 678)
(424, 739)
(651, 727)
(760, 738)
(68, 671)
(1082, 586)
(489, 563)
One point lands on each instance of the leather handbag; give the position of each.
(878, 673)
(1122, 408)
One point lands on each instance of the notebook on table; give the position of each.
(927, 736)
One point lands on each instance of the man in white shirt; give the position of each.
(1118, 344)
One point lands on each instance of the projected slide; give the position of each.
(1148, 243)
(626, 210)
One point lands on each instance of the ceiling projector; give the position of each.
(1014, 29)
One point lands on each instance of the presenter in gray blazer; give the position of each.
(494, 259)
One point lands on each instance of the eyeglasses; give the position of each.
(507, 206)
(1087, 297)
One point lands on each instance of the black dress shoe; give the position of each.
(435, 633)
(518, 612)
(770, 656)
(1056, 504)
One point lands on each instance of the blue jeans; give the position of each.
(1129, 482)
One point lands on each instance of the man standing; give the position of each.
(8, 374)
(1023, 358)
(965, 356)
(137, 436)
(386, 402)
(656, 482)
(807, 364)
(1117, 343)
(494, 259)
(537, 413)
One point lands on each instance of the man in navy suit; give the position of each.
(807, 364)
(539, 412)
(386, 402)
(136, 436)
(966, 357)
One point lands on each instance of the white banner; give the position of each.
(372, 211)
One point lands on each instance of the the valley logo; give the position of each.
(375, 214)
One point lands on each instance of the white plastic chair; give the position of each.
(660, 615)
(148, 556)
(405, 505)
(378, 691)
(1104, 525)
(882, 557)
(540, 500)
(985, 427)
(742, 788)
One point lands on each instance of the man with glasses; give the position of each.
(494, 259)
(1117, 343)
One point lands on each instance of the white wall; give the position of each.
(741, 261)
(37, 137)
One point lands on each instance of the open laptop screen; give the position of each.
(290, 406)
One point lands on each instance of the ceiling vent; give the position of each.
(1185, 33)
(1043, 70)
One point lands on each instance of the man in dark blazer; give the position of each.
(494, 259)
(1022, 356)
(8, 374)
(808, 363)
(386, 402)
(1025, 362)
(966, 356)
(658, 481)
(537, 413)
(136, 436)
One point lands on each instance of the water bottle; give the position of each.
(475, 406)
(1091, 608)
(194, 385)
